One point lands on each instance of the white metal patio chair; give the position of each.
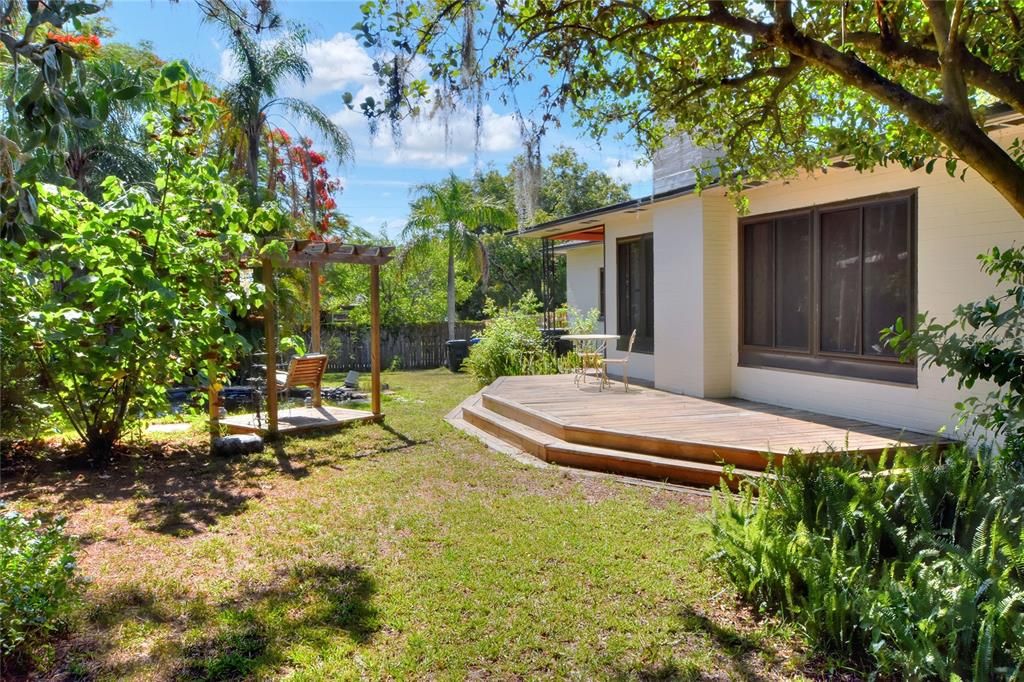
(623, 362)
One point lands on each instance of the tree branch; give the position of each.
(950, 49)
(1008, 87)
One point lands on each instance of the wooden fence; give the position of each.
(412, 347)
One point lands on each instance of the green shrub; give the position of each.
(38, 587)
(915, 570)
(511, 344)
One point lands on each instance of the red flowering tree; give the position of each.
(87, 41)
(297, 176)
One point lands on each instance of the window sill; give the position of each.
(882, 371)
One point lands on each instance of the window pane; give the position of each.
(792, 281)
(886, 271)
(758, 276)
(636, 287)
(840, 281)
(622, 263)
(647, 311)
(636, 292)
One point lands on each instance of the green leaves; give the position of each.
(130, 296)
(909, 565)
(983, 342)
(38, 585)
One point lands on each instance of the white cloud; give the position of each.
(426, 142)
(629, 171)
(339, 63)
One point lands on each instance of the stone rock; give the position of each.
(239, 444)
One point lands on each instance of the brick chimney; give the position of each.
(674, 163)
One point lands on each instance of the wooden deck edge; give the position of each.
(660, 446)
(455, 418)
(234, 428)
(610, 461)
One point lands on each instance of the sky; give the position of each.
(379, 181)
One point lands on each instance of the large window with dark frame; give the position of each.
(819, 286)
(635, 289)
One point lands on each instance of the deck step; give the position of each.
(556, 450)
(667, 448)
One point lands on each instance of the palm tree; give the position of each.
(450, 211)
(117, 82)
(263, 67)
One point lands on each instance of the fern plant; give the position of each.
(913, 565)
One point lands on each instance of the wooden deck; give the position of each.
(656, 434)
(297, 419)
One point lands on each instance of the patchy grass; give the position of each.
(402, 550)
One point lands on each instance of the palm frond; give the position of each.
(337, 139)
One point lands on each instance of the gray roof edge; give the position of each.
(605, 210)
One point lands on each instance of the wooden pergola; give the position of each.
(314, 255)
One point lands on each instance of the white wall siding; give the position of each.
(582, 265)
(720, 275)
(678, 303)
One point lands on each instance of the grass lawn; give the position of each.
(405, 550)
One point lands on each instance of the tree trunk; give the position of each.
(252, 165)
(451, 286)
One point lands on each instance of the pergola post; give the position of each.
(269, 329)
(213, 398)
(375, 338)
(314, 322)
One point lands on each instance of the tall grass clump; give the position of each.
(511, 344)
(38, 588)
(912, 566)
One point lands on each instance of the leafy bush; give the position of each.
(983, 342)
(124, 298)
(37, 586)
(913, 565)
(511, 344)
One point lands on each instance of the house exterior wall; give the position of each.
(582, 265)
(696, 289)
(678, 303)
(956, 221)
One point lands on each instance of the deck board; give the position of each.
(731, 423)
(292, 420)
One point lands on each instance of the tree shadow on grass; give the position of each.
(178, 488)
(736, 655)
(317, 606)
(313, 606)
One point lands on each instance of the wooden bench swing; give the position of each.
(308, 370)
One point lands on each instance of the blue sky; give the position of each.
(378, 182)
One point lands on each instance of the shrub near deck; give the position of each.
(405, 551)
(916, 572)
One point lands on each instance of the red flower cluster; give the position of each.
(70, 39)
(278, 136)
(292, 162)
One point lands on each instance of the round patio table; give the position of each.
(580, 341)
